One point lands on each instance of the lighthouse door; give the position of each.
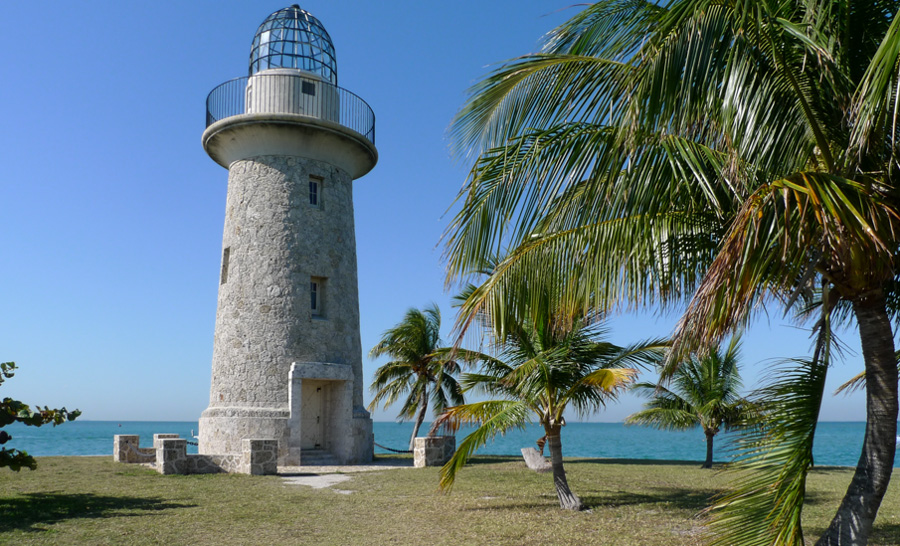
(313, 397)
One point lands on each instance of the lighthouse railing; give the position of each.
(281, 93)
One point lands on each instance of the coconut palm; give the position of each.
(420, 368)
(730, 153)
(704, 393)
(544, 366)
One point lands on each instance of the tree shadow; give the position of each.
(493, 459)
(518, 505)
(643, 462)
(672, 497)
(885, 533)
(882, 533)
(825, 470)
(23, 512)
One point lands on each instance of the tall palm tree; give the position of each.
(544, 365)
(726, 152)
(420, 368)
(704, 393)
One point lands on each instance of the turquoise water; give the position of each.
(836, 443)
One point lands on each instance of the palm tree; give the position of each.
(543, 366)
(704, 393)
(728, 153)
(420, 368)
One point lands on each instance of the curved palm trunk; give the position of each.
(709, 450)
(423, 407)
(567, 499)
(853, 522)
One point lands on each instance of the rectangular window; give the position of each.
(315, 191)
(225, 255)
(317, 296)
(308, 88)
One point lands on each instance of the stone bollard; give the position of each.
(258, 457)
(158, 437)
(171, 455)
(433, 450)
(124, 448)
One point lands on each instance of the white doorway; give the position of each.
(313, 416)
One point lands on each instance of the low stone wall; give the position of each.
(169, 456)
(433, 450)
(127, 449)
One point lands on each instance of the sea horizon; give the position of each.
(837, 443)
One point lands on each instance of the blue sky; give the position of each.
(112, 212)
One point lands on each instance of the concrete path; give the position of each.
(320, 477)
(345, 469)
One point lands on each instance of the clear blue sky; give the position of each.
(112, 212)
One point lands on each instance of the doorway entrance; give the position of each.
(314, 401)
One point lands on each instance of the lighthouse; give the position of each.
(287, 360)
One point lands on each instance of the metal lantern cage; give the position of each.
(293, 38)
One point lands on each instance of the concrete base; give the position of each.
(223, 430)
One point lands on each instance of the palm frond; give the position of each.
(664, 418)
(769, 245)
(773, 457)
(858, 382)
(609, 379)
(495, 417)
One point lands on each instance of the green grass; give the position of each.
(91, 500)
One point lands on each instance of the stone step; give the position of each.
(317, 457)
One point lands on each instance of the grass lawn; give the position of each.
(91, 500)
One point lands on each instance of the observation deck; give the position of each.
(289, 110)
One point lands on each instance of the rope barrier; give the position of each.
(138, 453)
(394, 450)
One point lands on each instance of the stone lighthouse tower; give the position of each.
(287, 361)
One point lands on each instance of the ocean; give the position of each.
(837, 443)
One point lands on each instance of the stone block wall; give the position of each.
(433, 450)
(259, 457)
(169, 456)
(126, 449)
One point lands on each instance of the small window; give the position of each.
(225, 255)
(308, 88)
(315, 191)
(317, 296)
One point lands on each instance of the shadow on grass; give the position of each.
(883, 533)
(672, 497)
(493, 459)
(644, 462)
(24, 512)
(825, 470)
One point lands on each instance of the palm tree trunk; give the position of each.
(853, 522)
(709, 450)
(567, 499)
(423, 407)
